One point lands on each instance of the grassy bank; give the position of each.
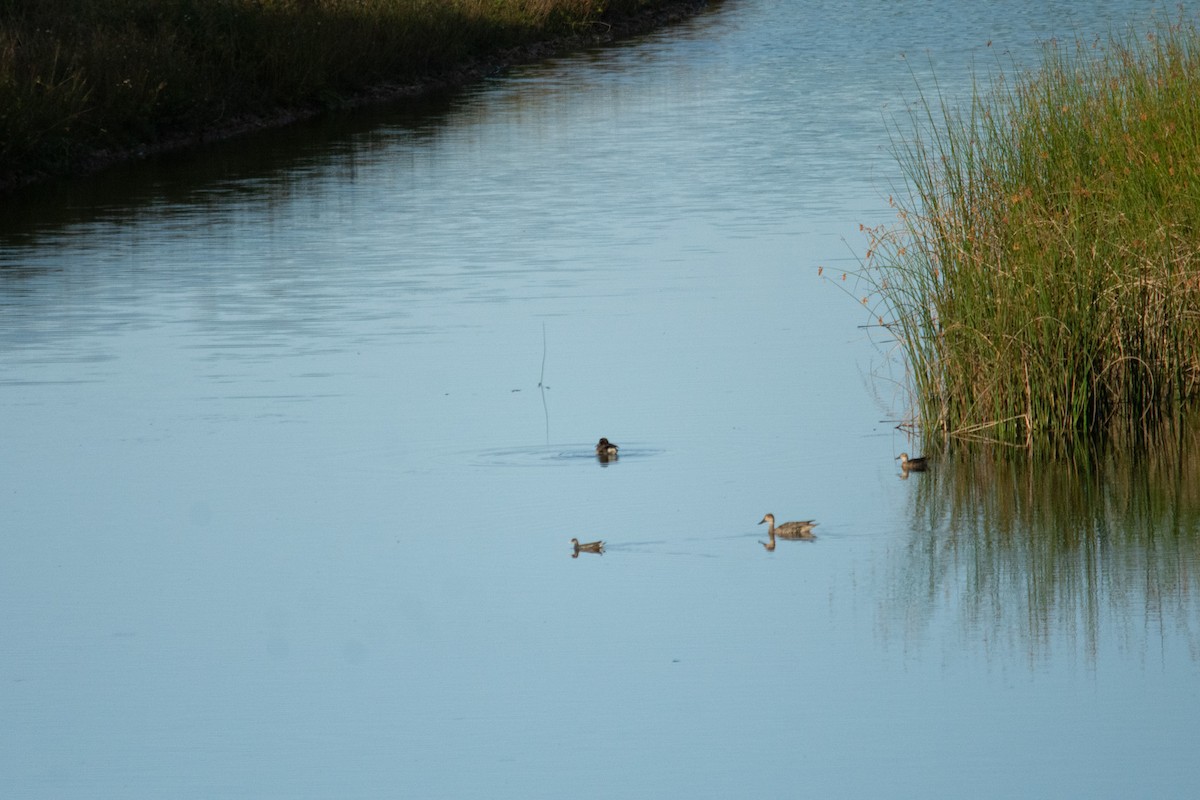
(81, 78)
(1044, 280)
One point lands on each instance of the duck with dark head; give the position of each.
(606, 450)
(586, 547)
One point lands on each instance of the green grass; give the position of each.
(1044, 278)
(82, 76)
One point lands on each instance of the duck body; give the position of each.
(918, 464)
(606, 449)
(587, 547)
(789, 530)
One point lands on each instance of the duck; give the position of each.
(918, 464)
(606, 449)
(789, 530)
(587, 547)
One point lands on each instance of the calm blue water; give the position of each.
(284, 511)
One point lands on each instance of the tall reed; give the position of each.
(1044, 278)
(81, 76)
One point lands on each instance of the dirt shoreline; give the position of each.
(599, 33)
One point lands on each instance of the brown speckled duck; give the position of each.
(789, 530)
(586, 547)
(918, 464)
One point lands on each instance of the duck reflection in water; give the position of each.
(606, 451)
(796, 531)
(586, 547)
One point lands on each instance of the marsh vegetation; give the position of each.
(1043, 278)
(81, 78)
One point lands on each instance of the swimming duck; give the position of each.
(919, 464)
(606, 449)
(789, 530)
(587, 547)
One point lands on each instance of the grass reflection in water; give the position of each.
(1028, 555)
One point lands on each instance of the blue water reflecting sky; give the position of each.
(285, 512)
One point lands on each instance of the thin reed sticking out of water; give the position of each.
(1044, 278)
(542, 387)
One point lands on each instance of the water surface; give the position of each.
(297, 431)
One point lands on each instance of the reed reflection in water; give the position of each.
(1029, 555)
